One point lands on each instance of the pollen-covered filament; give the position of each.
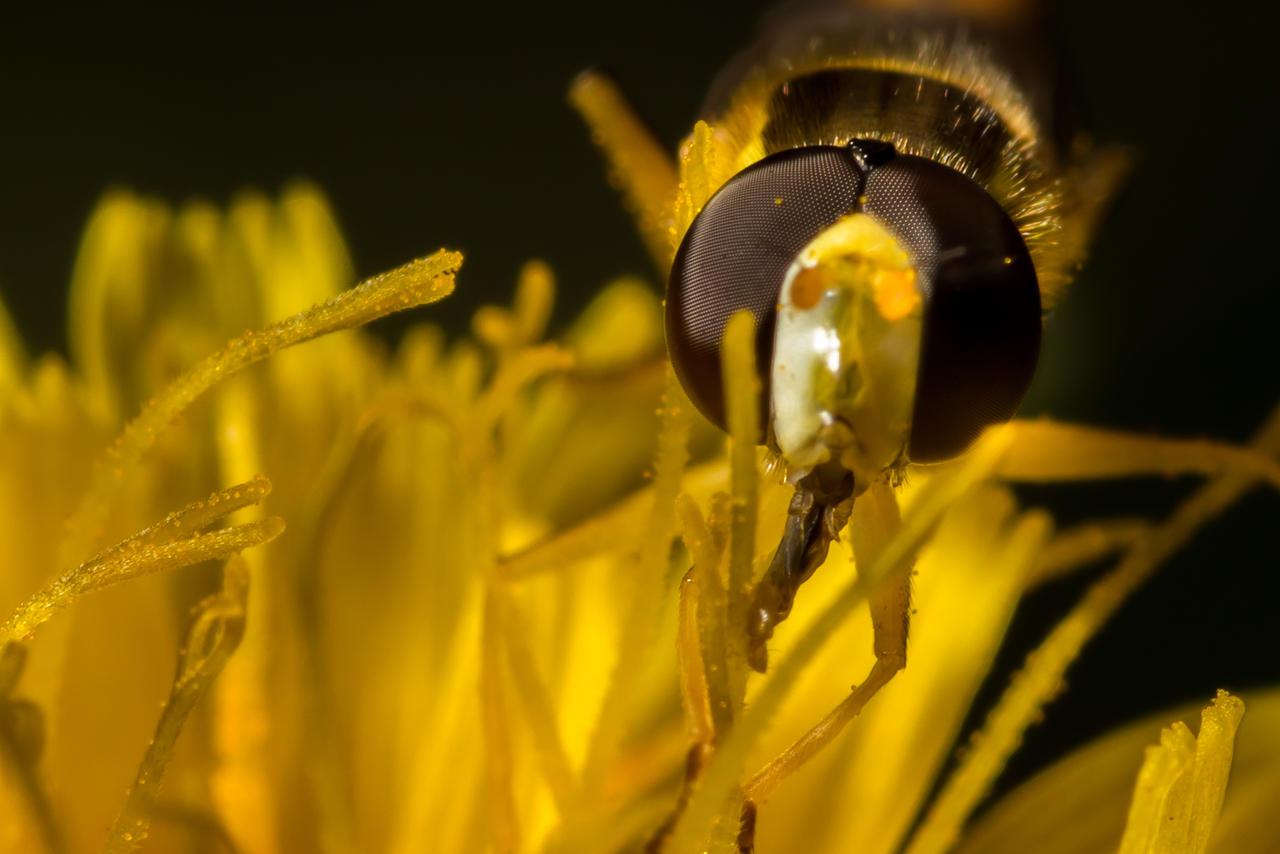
(846, 349)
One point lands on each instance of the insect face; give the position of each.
(846, 346)
(897, 308)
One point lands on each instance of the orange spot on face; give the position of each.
(807, 287)
(896, 294)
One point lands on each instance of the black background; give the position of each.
(449, 127)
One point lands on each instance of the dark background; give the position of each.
(450, 128)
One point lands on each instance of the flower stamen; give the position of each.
(419, 282)
(176, 541)
(214, 635)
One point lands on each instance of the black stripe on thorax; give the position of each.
(935, 118)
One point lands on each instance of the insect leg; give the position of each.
(819, 511)
(875, 520)
(773, 597)
(639, 165)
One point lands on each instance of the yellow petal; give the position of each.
(47, 444)
(152, 291)
(1182, 782)
(646, 595)
(620, 326)
(26, 819)
(1079, 805)
(586, 436)
(312, 263)
(13, 361)
(111, 284)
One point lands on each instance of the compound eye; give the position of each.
(737, 252)
(981, 334)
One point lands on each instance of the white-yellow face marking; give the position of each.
(846, 349)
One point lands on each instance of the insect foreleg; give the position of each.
(819, 511)
(875, 520)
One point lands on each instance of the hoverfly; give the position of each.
(896, 196)
(899, 217)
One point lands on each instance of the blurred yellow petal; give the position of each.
(48, 441)
(1079, 805)
(153, 291)
(648, 590)
(310, 262)
(13, 361)
(123, 245)
(594, 428)
(26, 817)
(621, 325)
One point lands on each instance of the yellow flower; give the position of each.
(473, 633)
